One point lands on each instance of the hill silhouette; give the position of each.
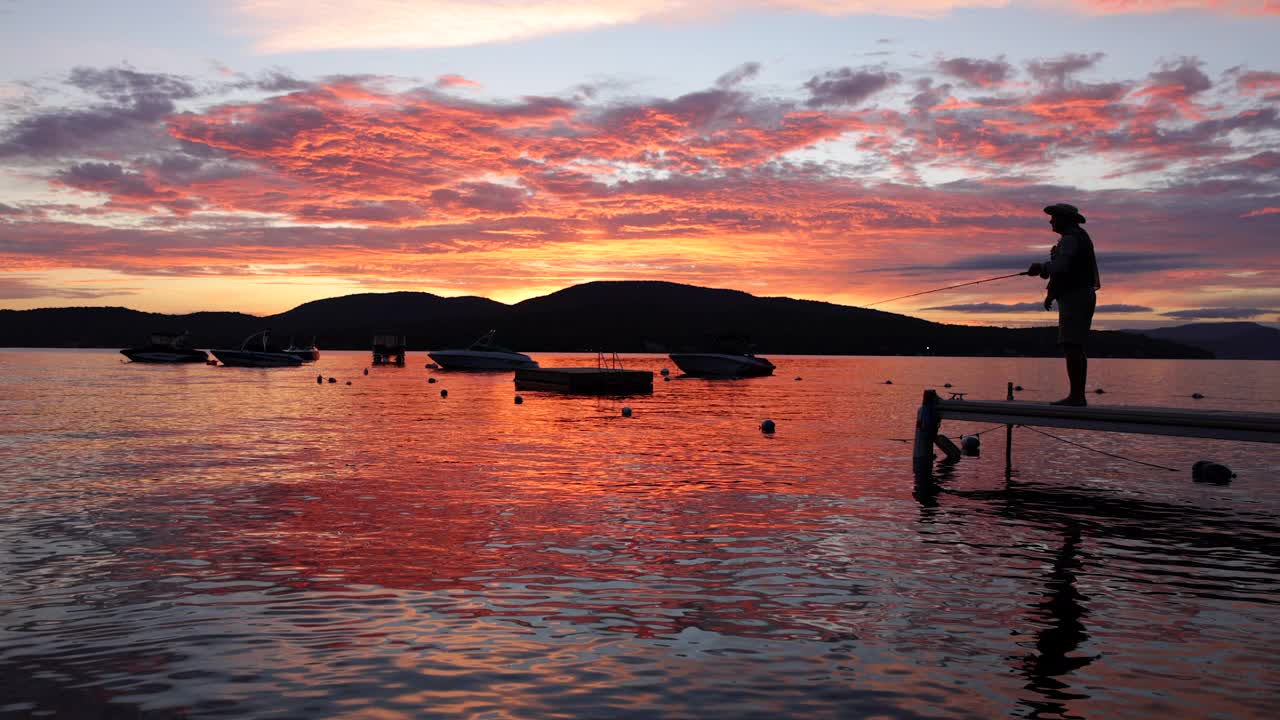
(1226, 340)
(646, 316)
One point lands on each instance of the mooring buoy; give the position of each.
(665, 372)
(970, 444)
(946, 385)
(319, 379)
(444, 393)
(666, 379)
(1099, 391)
(1211, 472)
(519, 400)
(888, 382)
(1197, 396)
(348, 382)
(333, 380)
(626, 411)
(798, 379)
(767, 427)
(431, 380)
(1017, 388)
(366, 371)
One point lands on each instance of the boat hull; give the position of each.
(251, 358)
(722, 365)
(308, 354)
(481, 360)
(164, 355)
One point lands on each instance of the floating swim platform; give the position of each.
(585, 380)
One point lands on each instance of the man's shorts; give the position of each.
(1075, 315)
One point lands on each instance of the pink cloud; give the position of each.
(349, 178)
(455, 81)
(1226, 7)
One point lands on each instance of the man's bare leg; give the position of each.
(1077, 373)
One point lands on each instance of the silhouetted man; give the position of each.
(1073, 282)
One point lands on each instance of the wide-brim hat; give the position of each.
(1066, 212)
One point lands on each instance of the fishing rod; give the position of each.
(949, 287)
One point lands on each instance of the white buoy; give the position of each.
(626, 411)
(519, 400)
(665, 372)
(444, 393)
(970, 444)
(767, 427)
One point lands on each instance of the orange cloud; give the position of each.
(350, 183)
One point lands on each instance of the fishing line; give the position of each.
(949, 287)
(1102, 452)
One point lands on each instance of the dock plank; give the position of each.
(1219, 424)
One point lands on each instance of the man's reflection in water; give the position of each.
(1062, 612)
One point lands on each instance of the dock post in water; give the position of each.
(1008, 440)
(927, 422)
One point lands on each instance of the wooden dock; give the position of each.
(1218, 424)
(586, 380)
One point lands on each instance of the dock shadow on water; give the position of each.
(257, 545)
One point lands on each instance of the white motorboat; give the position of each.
(726, 365)
(166, 347)
(729, 356)
(482, 355)
(256, 351)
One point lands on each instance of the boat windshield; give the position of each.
(485, 343)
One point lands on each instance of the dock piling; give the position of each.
(927, 422)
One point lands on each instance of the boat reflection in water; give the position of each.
(257, 351)
(482, 354)
(166, 347)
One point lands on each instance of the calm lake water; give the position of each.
(219, 542)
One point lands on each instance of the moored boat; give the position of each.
(728, 357)
(257, 351)
(166, 347)
(722, 364)
(482, 355)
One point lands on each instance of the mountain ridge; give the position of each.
(621, 316)
(1226, 340)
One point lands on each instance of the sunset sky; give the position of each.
(253, 155)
